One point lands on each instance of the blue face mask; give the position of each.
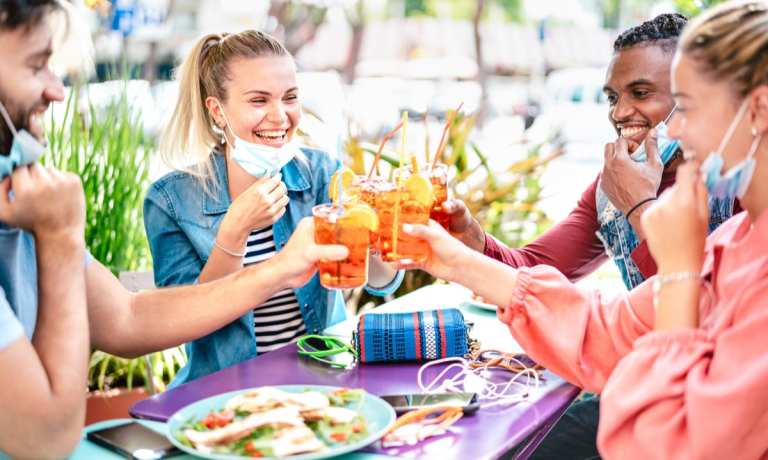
(735, 181)
(666, 145)
(259, 160)
(25, 149)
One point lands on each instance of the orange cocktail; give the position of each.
(408, 201)
(438, 175)
(351, 226)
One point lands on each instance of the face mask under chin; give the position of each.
(735, 181)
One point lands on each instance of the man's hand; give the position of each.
(463, 226)
(44, 201)
(296, 261)
(627, 182)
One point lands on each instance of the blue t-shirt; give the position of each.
(18, 284)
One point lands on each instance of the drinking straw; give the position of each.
(398, 188)
(443, 139)
(338, 211)
(384, 140)
(426, 137)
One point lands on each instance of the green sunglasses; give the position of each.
(319, 347)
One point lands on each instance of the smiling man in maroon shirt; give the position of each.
(637, 86)
(606, 220)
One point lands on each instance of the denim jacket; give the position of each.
(182, 221)
(620, 240)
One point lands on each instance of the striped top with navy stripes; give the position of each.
(278, 320)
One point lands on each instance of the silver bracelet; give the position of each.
(227, 251)
(674, 277)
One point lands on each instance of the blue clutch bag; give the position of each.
(418, 336)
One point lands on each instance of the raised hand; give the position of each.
(463, 226)
(44, 201)
(446, 252)
(297, 260)
(627, 182)
(260, 205)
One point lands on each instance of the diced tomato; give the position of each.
(253, 451)
(225, 417)
(338, 437)
(209, 421)
(357, 428)
(217, 420)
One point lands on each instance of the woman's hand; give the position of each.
(676, 225)
(447, 255)
(296, 260)
(260, 205)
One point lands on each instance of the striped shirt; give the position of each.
(278, 320)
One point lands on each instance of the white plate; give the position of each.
(481, 305)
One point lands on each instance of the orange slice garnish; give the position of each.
(347, 177)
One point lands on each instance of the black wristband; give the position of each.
(642, 202)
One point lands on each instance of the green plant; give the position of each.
(106, 371)
(106, 147)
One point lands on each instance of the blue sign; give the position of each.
(123, 15)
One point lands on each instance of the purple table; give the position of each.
(490, 433)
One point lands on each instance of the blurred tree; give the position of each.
(691, 8)
(417, 8)
(482, 76)
(611, 13)
(298, 21)
(508, 10)
(513, 9)
(356, 16)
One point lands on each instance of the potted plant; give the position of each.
(115, 384)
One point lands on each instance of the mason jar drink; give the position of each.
(352, 226)
(408, 201)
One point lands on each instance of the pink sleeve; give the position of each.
(685, 394)
(573, 331)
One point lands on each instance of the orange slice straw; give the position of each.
(384, 140)
(443, 139)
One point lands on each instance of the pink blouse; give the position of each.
(699, 393)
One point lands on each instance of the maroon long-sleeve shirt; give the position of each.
(572, 245)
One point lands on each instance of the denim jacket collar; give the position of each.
(295, 177)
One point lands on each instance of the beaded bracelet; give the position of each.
(674, 277)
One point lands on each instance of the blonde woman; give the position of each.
(241, 186)
(680, 360)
